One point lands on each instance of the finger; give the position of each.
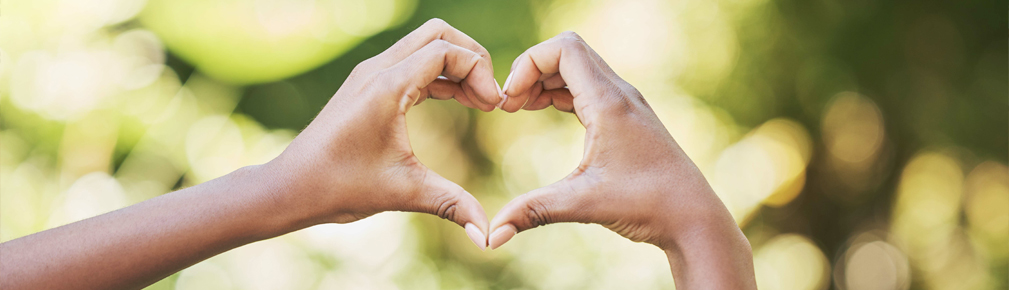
(554, 82)
(533, 99)
(478, 103)
(538, 103)
(552, 204)
(460, 93)
(565, 54)
(537, 100)
(514, 103)
(444, 89)
(437, 58)
(440, 89)
(447, 200)
(433, 29)
(594, 89)
(561, 99)
(437, 29)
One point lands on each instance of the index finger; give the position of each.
(422, 68)
(437, 29)
(565, 54)
(434, 29)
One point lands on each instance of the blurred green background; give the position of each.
(859, 144)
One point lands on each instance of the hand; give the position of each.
(354, 160)
(633, 179)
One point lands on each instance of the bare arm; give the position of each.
(354, 160)
(633, 179)
(143, 243)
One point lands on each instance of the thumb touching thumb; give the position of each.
(551, 204)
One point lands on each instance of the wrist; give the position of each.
(712, 260)
(708, 247)
(270, 194)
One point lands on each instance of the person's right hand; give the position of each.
(354, 160)
(633, 179)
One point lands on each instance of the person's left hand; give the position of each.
(355, 160)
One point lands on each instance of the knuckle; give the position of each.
(537, 213)
(443, 202)
(373, 80)
(616, 99)
(446, 206)
(620, 105)
(438, 45)
(384, 85)
(363, 67)
(629, 98)
(572, 44)
(476, 58)
(364, 79)
(437, 24)
(570, 34)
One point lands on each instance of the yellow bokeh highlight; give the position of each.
(870, 263)
(766, 167)
(927, 223)
(987, 206)
(854, 135)
(853, 129)
(88, 144)
(267, 40)
(791, 262)
(927, 209)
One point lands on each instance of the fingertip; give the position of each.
(489, 102)
(522, 77)
(516, 103)
(500, 93)
(487, 108)
(483, 107)
(475, 99)
(508, 80)
(476, 236)
(512, 105)
(486, 89)
(504, 99)
(501, 235)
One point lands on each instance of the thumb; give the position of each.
(448, 200)
(554, 203)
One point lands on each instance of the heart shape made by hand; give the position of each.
(633, 178)
(355, 159)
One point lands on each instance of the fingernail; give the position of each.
(501, 235)
(507, 80)
(504, 99)
(500, 93)
(478, 238)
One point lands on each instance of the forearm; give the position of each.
(141, 244)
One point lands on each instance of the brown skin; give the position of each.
(633, 179)
(354, 160)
